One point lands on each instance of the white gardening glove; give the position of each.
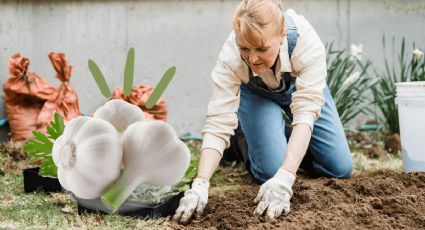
(194, 198)
(274, 195)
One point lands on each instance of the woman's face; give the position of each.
(260, 57)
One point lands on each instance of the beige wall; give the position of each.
(187, 34)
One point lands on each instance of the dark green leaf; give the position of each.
(48, 168)
(39, 145)
(56, 127)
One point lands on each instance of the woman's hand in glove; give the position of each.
(275, 195)
(195, 199)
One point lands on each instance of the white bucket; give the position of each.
(411, 113)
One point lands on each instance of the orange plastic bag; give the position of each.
(25, 94)
(138, 96)
(66, 100)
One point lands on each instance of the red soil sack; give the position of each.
(139, 96)
(25, 95)
(66, 100)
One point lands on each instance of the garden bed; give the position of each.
(379, 200)
(377, 196)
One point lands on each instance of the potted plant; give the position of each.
(43, 178)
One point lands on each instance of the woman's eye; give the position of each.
(244, 48)
(262, 49)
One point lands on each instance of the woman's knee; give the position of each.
(336, 163)
(343, 169)
(264, 162)
(262, 174)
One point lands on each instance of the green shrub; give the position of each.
(348, 81)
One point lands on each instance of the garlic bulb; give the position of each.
(153, 154)
(88, 156)
(120, 114)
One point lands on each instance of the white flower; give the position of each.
(351, 79)
(418, 53)
(357, 51)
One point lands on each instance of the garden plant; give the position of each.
(403, 66)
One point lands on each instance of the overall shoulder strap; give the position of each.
(291, 33)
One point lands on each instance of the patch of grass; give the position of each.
(228, 180)
(362, 145)
(228, 175)
(224, 190)
(387, 162)
(19, 210)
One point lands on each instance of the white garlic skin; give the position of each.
(120, 114)
(88, 156)
(153, 151)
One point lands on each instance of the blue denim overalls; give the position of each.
(261, 119)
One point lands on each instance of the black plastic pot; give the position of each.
(34, 182)
(163, 209)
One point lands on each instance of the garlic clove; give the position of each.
(88, 156)
(155, 145)
(120, 114)
(153, 154)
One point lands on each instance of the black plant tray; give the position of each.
(34, 182)
(163, 209)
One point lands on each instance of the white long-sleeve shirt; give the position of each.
(307, 64)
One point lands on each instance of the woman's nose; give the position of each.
(253, 58)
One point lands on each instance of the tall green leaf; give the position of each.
(160, 87)
(129, 72)
(402, 69)
(99, 78)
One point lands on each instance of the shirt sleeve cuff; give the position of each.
(212, 142)
(304, 118)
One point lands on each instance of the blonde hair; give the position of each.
(253, 16)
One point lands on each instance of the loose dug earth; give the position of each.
(381, 200)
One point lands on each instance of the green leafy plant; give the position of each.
(348, 81)
(403, 69)
(40, 146)
(144, 192)
(128, 80)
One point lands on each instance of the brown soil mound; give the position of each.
(383, 200)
